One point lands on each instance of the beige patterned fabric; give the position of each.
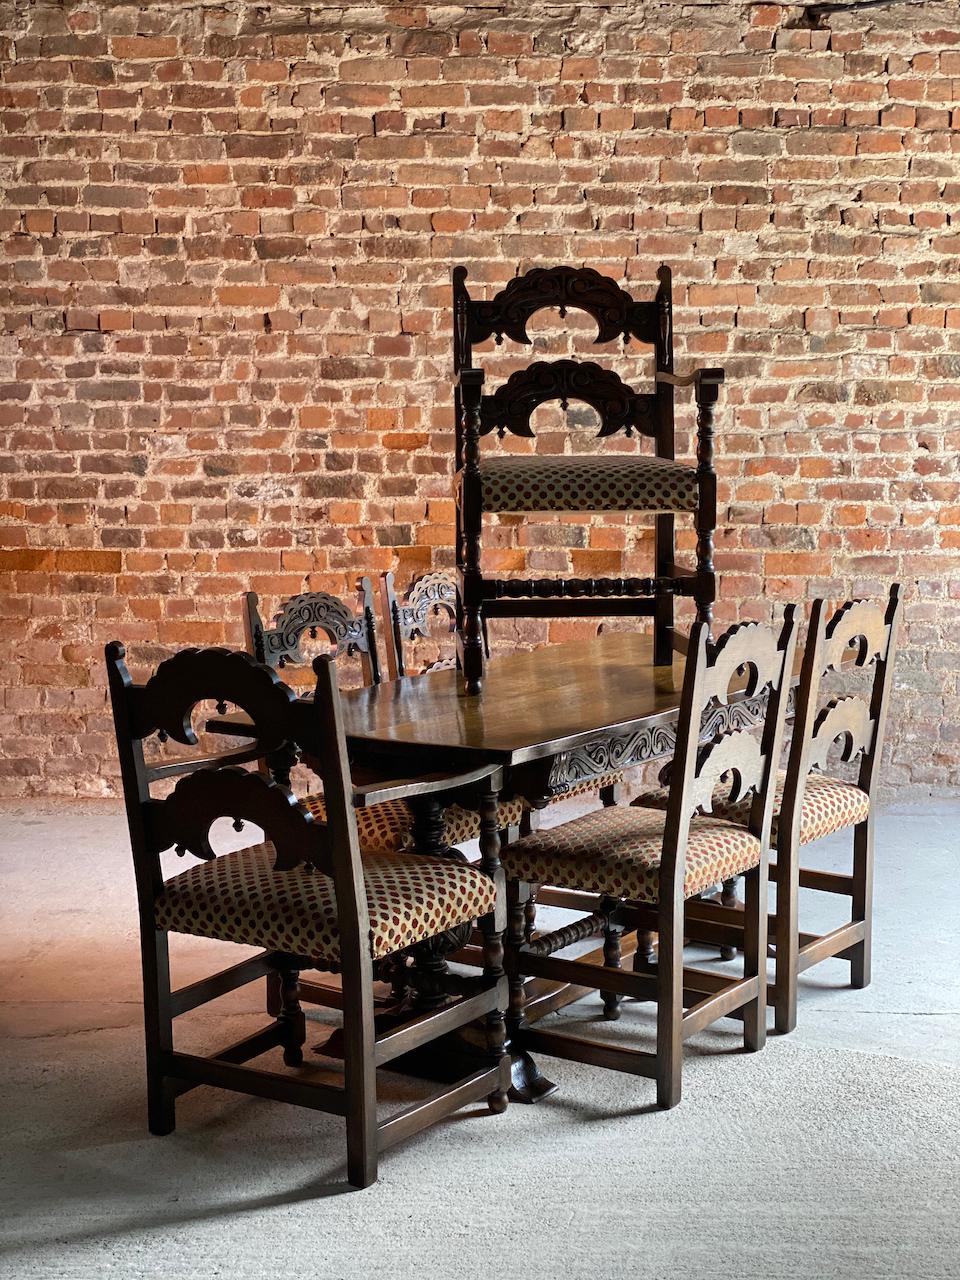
(589, 786)
(240, 898)
(387, 827)
(617, 851)
(829, 804)
(611, 482)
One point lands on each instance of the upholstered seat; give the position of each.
(387, 827)
(589, 787)
(238, 897)
(829, 804)
(617, 851)
(609, 482)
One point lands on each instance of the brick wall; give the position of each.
(227, 233)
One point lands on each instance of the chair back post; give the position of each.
(369, 655)
(353, 921)
(391, 626)
(683, 769)
(762, 808)
(880, 693)
(805, 710)
(253, 626)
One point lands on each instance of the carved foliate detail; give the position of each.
(432, 593)
(314, 611)
(582, 288)
(185, 817)
(732, 765)
(747, 648)
(166, 702)
(620, 408)
(846, 721)
(859, 624)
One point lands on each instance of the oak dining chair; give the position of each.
(639, 866)
(303, 894)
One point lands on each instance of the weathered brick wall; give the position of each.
(227, 233)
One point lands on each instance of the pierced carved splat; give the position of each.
(747, 647)
(581, 288)
(432, 593)
(732, 766)
(845, 721)
(620, 408)
(314, 611)
(859, 624)
(166, 702)
(185, 817)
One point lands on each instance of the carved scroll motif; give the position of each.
(735, 755)
(434, 592)
(620, 408)
(860, 624)
(185, 817)
(843, 720)
(748, 647)
(314, 611)
(616, 313)
(166, 702)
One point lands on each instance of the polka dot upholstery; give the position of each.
(617, 851)
(610, 482)
(240, 898)
(589, 786)
(829, 804)
(388, 827)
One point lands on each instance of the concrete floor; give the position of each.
(86, 1193)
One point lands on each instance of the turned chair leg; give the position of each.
(786, 937)
(492, 928)
(755, 956)
(645, 956)
(612, 960)
(530, 914)
(158, 1029)
(670, 1005)
(728, 898)
(292, 1022)
(862, 902)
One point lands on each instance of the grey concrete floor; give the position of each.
(73, 1153)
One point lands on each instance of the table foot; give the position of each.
(529, 1084)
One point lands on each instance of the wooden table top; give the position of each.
(533, 704)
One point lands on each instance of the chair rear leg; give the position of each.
(612, 960)
(861, 961)
(786, 937)
(728, 898)
(158, 1027)
(360, 1074)
(755, 956)
(292, 1022)
(670, 1006)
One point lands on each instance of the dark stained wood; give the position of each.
(220, 788)
(509, 408)
(755, 661)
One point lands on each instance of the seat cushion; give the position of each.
(617, 851)
(829, 804)
(388, 827)
(611, 482)
(238, 897)
(589, 787)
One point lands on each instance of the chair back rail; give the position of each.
(353, 632)
(736, 758)
(854, 722)
(216, 787)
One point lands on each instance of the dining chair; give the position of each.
(811, 803)
(630, 865)
(638, 482)
(303, 894)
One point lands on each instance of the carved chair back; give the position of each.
(735, 760)
(617, 314)
(351, 632)
(408, 619)
(855, 723)
(217, 786)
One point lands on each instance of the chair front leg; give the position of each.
(492, 928)
(612, 959)
(293, 1023)
(359, 1070)
(786, 935)
(755, 956)
(728, 898)
(670, 1003)
(862, 903)
(158, 1027)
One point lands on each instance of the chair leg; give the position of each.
(786, 936)
(530, 821)
(755, 956)
(360, 1075)
(492, 928)
(530, 914)
(860, 963)
(612, 960)
(611, 796)
(728, 898)
(670, 1005)
(645, 956)
(291, 1019)
(158, 1027)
